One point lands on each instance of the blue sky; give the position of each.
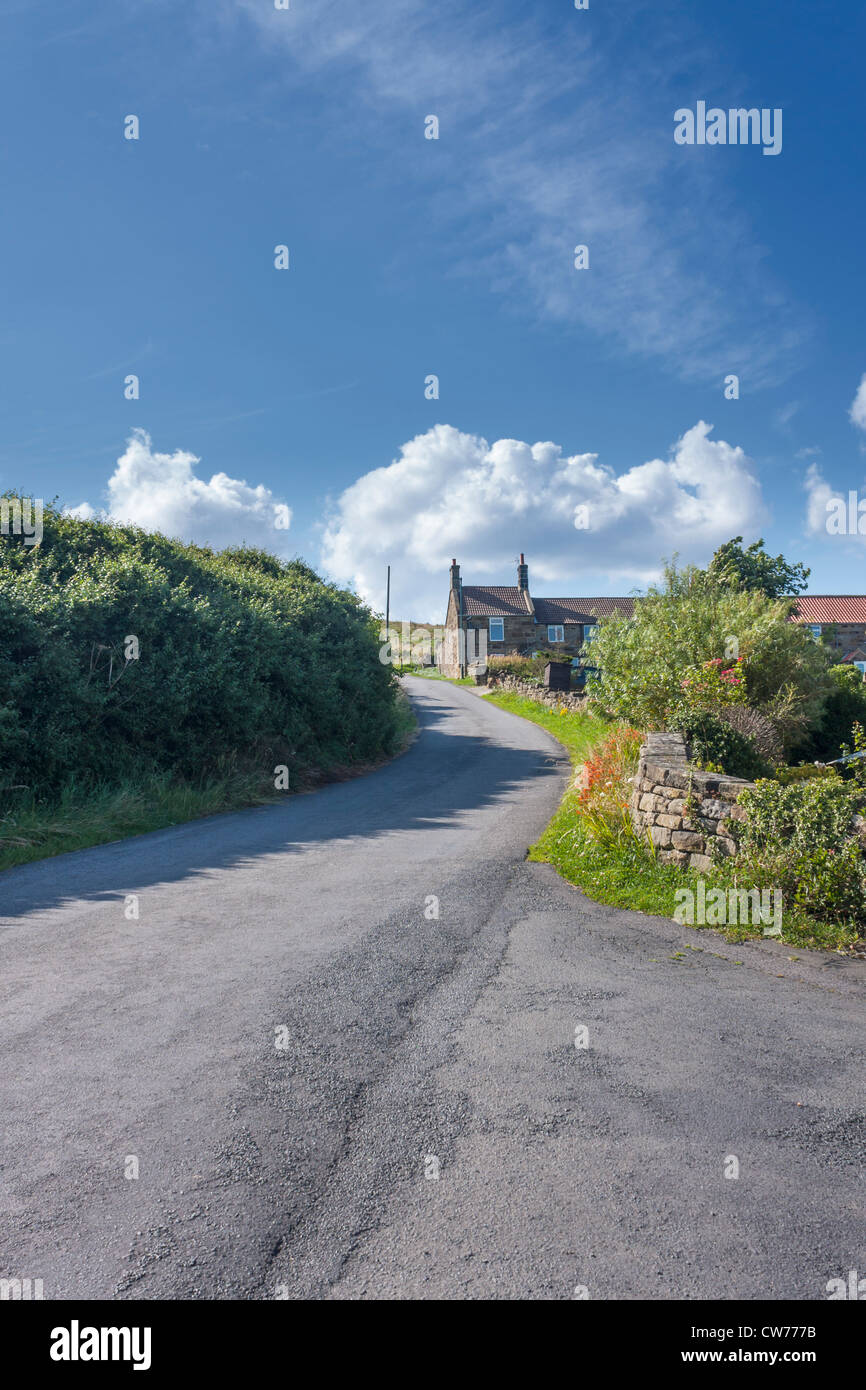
(410, 256)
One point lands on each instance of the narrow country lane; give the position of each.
(328, 1090)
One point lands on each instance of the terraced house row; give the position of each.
(516, 623)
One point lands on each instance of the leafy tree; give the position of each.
(647, 661)
(754, 570)
(845, 707)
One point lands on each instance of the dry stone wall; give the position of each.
(554, 698)
(686, 811)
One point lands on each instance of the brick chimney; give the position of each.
(523, 575)
(454, 573)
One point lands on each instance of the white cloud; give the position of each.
(818, 494)
(83, 512)
(829, 512)
(857, 412)
(161, 492)
(545, 145)
(453, 494)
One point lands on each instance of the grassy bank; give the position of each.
(83, 817)
(579, 733)
(430, 673)
(626, 874)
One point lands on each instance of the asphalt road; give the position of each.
(328, 1091)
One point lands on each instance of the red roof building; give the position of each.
(514, 622)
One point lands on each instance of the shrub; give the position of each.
(713, 744)
(798, 837)
(240, 654)
(691, 620)
(856, 769)
(803, 773)
(845, 706)
(755, 726)
(524, 667)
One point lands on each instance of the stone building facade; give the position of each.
(507, 620)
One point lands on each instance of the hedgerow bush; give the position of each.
(652, 662)
(845, 706)
(529, 668)
(239, 655)
(716, 746)
(798, 837)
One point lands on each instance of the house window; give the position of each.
(589, 632)
(815, 629)
(555, 632)
(861, 666)
(497, 629)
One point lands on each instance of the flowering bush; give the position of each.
(714, 683)
(605, 785)
(643, 660)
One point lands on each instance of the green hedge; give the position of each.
(715, 744)
(799, 838)
(241, 655)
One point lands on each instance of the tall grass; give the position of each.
(84, 815)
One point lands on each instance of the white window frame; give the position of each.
(589, 631)
(861, 666)
(815, 629)
(497, 635)
(552, 629)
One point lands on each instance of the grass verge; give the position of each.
(579, 733)
(628, 876)
(83, 817)
(430, 673)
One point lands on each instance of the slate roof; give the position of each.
(580, 610)
(503, 601)
(506, 601)
(494, 600)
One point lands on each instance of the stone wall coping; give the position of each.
(666, 786)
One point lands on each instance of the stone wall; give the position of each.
(511, 685)
(684, 809)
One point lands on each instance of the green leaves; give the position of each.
(753, 569)
(691, 620)
(238, 652)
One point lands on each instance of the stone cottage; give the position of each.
(514, 623)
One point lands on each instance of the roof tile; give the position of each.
(831, 608)
(500, 600)
(580, 610)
